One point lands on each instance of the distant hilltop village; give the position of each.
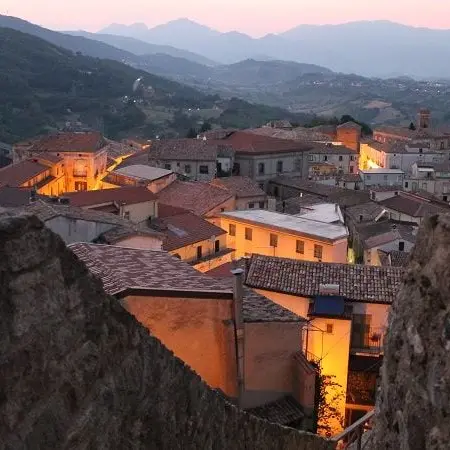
(267, 260)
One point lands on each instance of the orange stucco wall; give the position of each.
(287, 243)
(198, 331)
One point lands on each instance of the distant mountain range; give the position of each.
(379, 48)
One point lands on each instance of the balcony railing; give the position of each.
(371, 341)
(354, 433)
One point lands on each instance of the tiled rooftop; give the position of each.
(185, 229)
(296, 134)
(365, 212)
(124, 269)
(239, 186)
(250, 143)
(12, 196)
(195, 196)
(394, 258)
(303, 278)
(86, 142)
(17, 174)
(291, 224)
(184, 150)
(125, 231)
(283, 411)
(122, 195)
(414, 205)
(332, 150)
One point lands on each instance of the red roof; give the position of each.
(15, 175)
(239, 186)
(169, 210)
(250, 143)
(122, 195)
(185, 229)
(89, 142)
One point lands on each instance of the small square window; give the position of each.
(329, 328)
(187, 168)
(280, 166)
(318, 251)
(273, 240)
(325, 158)
(251, 205)
(262, 205)
(261, 168)
(127, 215)
(340, 158)
(168, 166)
(217, 246)
(300, 247)
(248, 234)
(204, 169)
(232, 229)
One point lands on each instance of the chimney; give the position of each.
(239, 329)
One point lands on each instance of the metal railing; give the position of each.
(370, 342)
(353, 434)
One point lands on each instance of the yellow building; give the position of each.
(275, 234)
(347, 309)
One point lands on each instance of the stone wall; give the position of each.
(78, 372)
(413, 410)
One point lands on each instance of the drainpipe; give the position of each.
(239, 329)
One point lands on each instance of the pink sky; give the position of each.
(254, 17)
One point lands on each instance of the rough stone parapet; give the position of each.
(78, 372)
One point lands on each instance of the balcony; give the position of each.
(369, 342)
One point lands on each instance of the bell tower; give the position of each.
(424, 119)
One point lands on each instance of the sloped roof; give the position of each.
(282, 411)
(121, 195)
(394, 258)
(324, 149)
(125, 269)
(85, 142)
(143, 172)
(239, 186)
(414, 206)
(185, 229)
(195, 196)
(17, 174)
(185, 150)
(357, 283)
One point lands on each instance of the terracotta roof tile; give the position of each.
(185, 229)
(239, 186)
(414, 205)
(303, 278)
(324, 149)
(122, 195)
(394, 258)
(86, 142)
(296, 134)
(17, 174)
(251, 143)
(185, 150)
(123, 269)
(195, 196)
(283, 411)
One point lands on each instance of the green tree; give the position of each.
(192, 133)
(205, 127)
(412, 127)
(329, 396)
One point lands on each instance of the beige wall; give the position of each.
(287, 243)
(179, 166)
(198, 331)
(142, 242)
(244, 202)
(268, 363)
(158, 185)
(227, 205)
(140, 212)
(214, 262)
(189, 252)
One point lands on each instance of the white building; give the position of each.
(381, 177)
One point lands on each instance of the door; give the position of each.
(361, 330)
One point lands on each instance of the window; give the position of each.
(352, 158)
(80, 168)
(217, 246)
(204, 169)
(406, 184)
(127, 215)
(351, 169)
(273, 240)
(80, 186)
(442, 145)
(311, 158)
(168, 166)
(262, 205)
(340, 158)
(385, 177)
(329, 328)
(420, 151)
(300, 247)
(199, 252)
(251, 205)
(280, 166)
(401, 246)
(187, 168)
(368, 177)
(232, 229)
(276, 191)
(444, 198)
(318, 251)
(325, 158)
(222, 209)
(248, 234)
(261, 168)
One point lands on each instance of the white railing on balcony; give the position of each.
(352, 436)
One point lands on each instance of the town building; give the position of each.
(246, 191)
(350, 181)
(413, 207)
(195, 159)
(347, 308)
(240, 343)
(83, 155)
(433, 178)
(341, 160)
(274, 234)
(203, 199)
(154, 178)
(381, 177)
(136, 204)
(192, 238)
